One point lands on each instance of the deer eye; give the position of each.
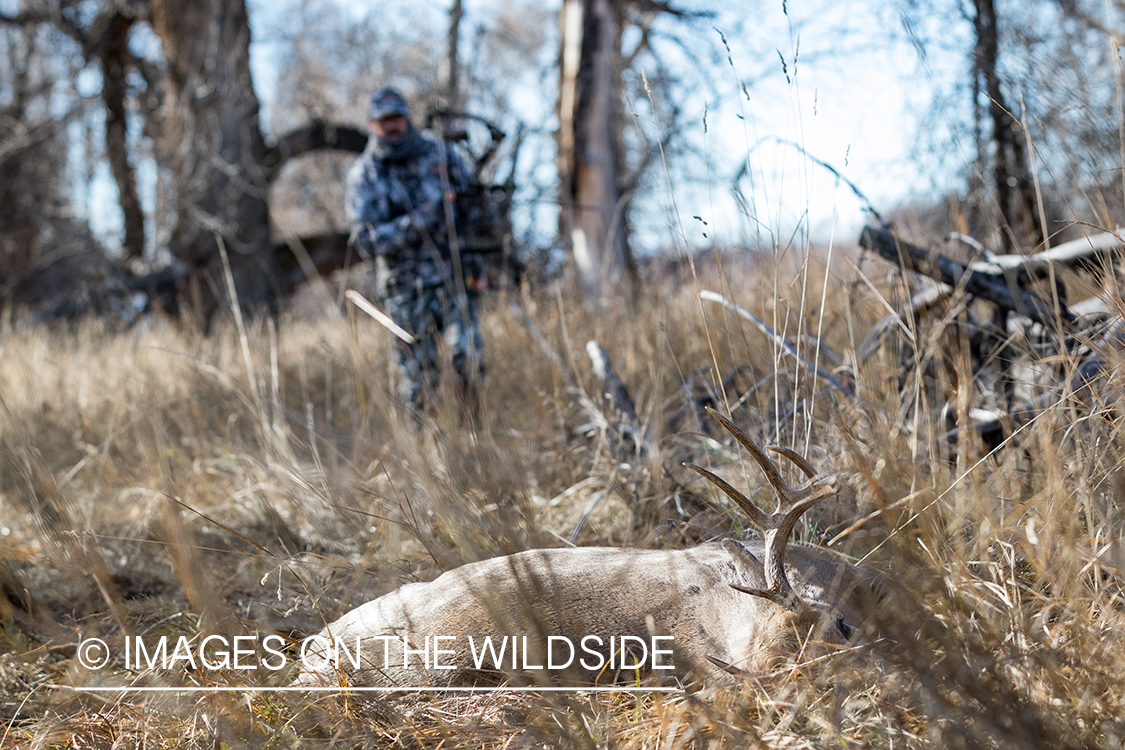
(844, 628)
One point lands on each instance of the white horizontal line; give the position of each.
(290, 688)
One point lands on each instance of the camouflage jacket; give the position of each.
(397, 214)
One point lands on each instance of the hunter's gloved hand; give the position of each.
(411, 231)
(393, 237)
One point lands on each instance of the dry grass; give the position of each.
(161, 483)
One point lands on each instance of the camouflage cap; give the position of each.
(387, 102)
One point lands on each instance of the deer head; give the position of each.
(796, 618)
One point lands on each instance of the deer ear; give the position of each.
(746, 563)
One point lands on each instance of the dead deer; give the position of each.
(598, 615)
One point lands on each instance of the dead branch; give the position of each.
(615, 389)
(544, 346)
(787, 347)
(597, 419)
(618, 395)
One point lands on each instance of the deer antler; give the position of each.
(775, 527)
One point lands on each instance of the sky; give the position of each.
(849, 94)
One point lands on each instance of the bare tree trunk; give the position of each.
(213, 143)
(107, 41)
(112, 50)
(453, 58)
(589, 140)
(28, 174)
(1015, 190)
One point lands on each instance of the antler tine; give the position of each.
(776, 527)
(801, 462)
(790, 498)
(772, 475)
(729, 668)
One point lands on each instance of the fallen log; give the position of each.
(313, 136)
(977, 280)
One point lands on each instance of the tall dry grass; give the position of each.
(158, 482)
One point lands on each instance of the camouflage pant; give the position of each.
(430, 315)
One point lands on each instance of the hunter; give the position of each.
(401, 195)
